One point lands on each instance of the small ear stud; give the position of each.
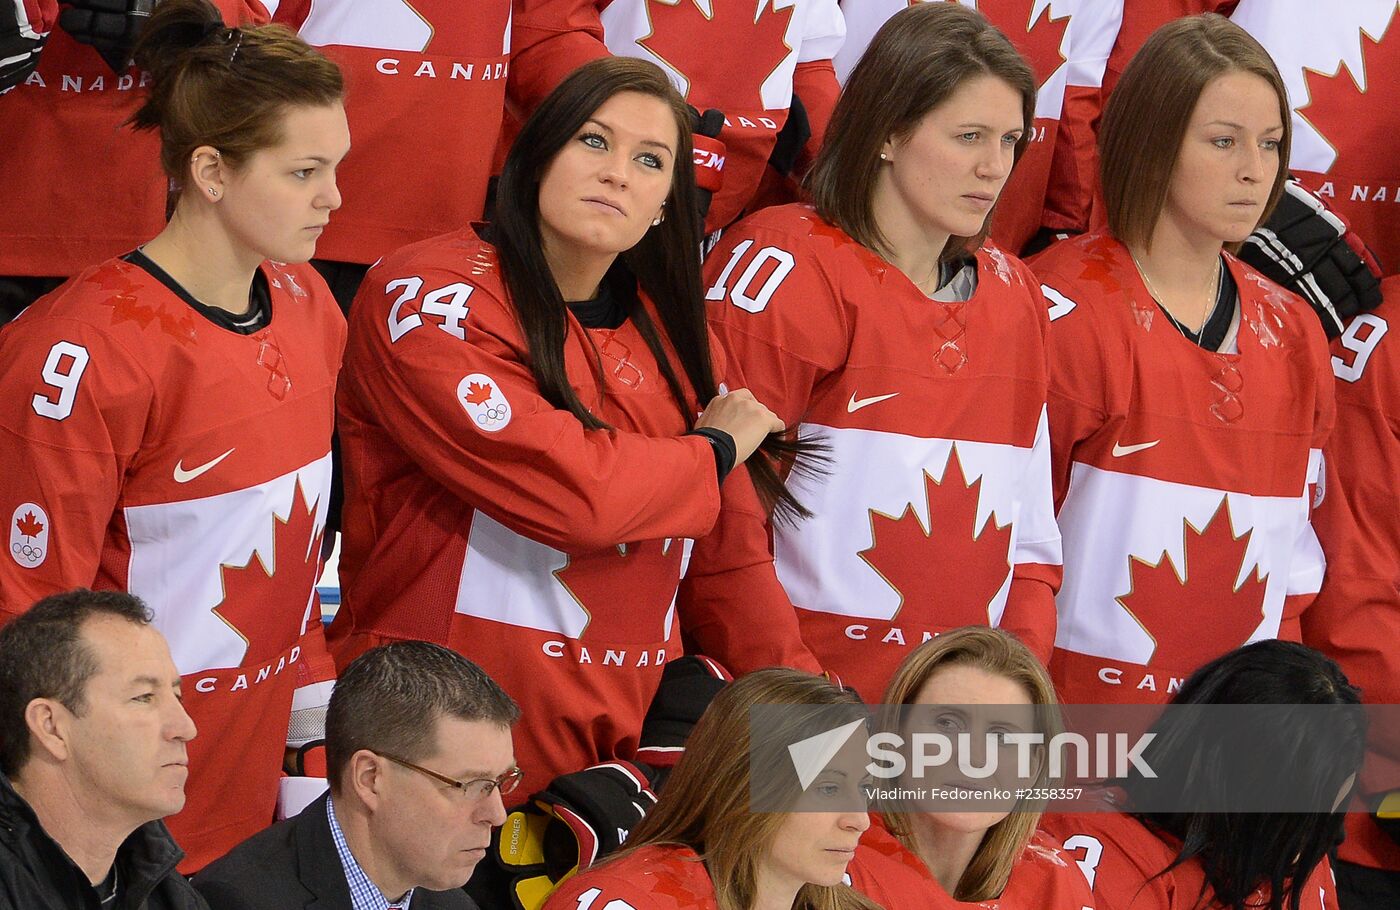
(884, 157)
(213, 192)
(656, 222)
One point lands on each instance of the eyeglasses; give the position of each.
(477, 789)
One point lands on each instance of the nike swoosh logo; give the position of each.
(183, 476)
(1120, 451)
(855, 404)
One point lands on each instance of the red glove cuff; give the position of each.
(709, 162)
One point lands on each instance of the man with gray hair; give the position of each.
(92, 750)
(419, 757)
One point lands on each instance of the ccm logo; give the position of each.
(708, 159)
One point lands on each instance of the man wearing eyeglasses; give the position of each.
(419, 756)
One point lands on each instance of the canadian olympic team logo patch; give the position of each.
(29, 535)
(484, 402)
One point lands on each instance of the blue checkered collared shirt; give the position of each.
(364, 894)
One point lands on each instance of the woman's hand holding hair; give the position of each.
(743, 417)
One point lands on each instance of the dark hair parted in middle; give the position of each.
(665, 263)
(917, 60)
(706, 803)
(1146, 117)
(389, 700)
(1240, 851)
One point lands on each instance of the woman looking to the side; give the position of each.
(525, 471)
(876, 321)
(167, 413)
(1189, 396)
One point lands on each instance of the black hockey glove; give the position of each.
(110, 26)
(709, 158)
(1311, 251)
(688, 685)
(567, 826)
(21, 42)
(792, 138)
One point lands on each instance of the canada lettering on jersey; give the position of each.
(459, 69)
(86, 82)
(889, 635)
(1146, 681)
(1360, 192)
(603, 657)
(241, 680)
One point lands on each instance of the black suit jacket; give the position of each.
(293, 865)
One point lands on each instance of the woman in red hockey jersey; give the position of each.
(525, 472)
(1190, 840)
(980, 681)
(1190, 397)
(167, 414)
(877, 322)
(704, 846)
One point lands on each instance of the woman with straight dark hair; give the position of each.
(722, 837)
(1190, 397)
(167, 413)
(982, 682)
(1164, 851)
(878, 322)
(525, 468)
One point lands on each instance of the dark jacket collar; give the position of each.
(319, 865)
(147, 856)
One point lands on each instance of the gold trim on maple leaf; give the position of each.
(1260, 577)
(770, 5)
(298, 494)
(569, 561)
(924, 480)
(1337, 73)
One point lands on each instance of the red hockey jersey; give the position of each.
(743, 59)
(667, 877)
(1043, 878)
(1045, 32)
(1339, 62)
(1356, 617)
(78, 185)
(481, 517)
(935, 510)
(1121, 859)
(150, 450)
(1183, 477)
(425, 89)
(660, 877)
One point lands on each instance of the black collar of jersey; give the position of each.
(610, 307)
(607, 309)
(1217, 324)
(254, 319)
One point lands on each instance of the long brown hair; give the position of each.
(224, 87)
(999, 654)
(916, 62)
(665, 262)
(705, 805)
(1146, 117)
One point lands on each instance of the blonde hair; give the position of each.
(1000, 654)
(705, 805)
(1146, 117)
